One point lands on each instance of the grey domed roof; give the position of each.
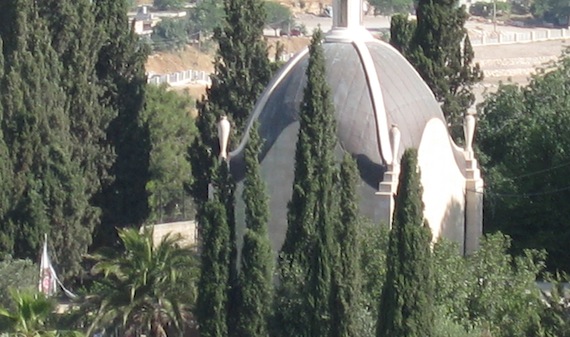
(404, 99)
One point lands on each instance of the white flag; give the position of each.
(47, 284)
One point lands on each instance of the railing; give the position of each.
(494, 38)
(180, 78)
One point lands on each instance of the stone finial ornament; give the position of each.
(469, 131)
(395, 142)
(223, 136)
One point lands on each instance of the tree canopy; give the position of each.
(554, 11)
(168, 4)
(149, 287)
(438, 46)
(278, 15)
(387, 7)
(524, 159)
(171, 128)
(406, 303)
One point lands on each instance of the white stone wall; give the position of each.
(187, 229)
(443, 183)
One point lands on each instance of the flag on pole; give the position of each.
(47, 284)
(48, 278)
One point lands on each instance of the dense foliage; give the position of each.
(168, 4)
(78, 150)
(406, 303)
(241, 71)
(204, 18)
(171, 129)
(255, 286)
(525, 159)
(346, 281)
(309, 248)
(149, 288)
(55, 174)
(16, 274)
(553, 11)
(170, 34)
(120, 70)
(440, 50)
(212, 306)
(388, 7)
(491, 290)
(278, 16)
(30, 316)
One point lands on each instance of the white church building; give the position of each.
(382, 106)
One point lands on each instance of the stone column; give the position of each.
(389, 185)
(473, 191)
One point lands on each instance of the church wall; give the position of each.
(443, 184)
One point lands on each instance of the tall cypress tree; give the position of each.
(255, 279)
(309, 242)
(406, 303)
(74, 37)
(243, 69)
(49, 189)
(401, 33)
(211, 306)
(241, 72)
(6, 237)
(346, 274)
(121, 73)
(441, 52)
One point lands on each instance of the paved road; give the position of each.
(383, 22)
(313, 21)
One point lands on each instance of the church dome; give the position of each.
(373, 87)
(374, 90)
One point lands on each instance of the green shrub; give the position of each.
(485, 9)
(17, 275)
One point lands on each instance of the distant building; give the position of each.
(143, 21)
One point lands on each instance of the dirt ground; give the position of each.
(500, 63)
(194, 58)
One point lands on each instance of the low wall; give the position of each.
(181, 78)
(187, 229)
(502, 37)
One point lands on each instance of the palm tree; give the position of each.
(30, 315)
(146, 288)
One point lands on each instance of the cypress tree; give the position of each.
(441, 52)
(255, 278)
(346, 275)
(74, 37)
(49, 191)
(6, 235)
(309, 239)
(121, 73)
(401, 33)
(211, 306)
(406, 303)
(241, 71)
